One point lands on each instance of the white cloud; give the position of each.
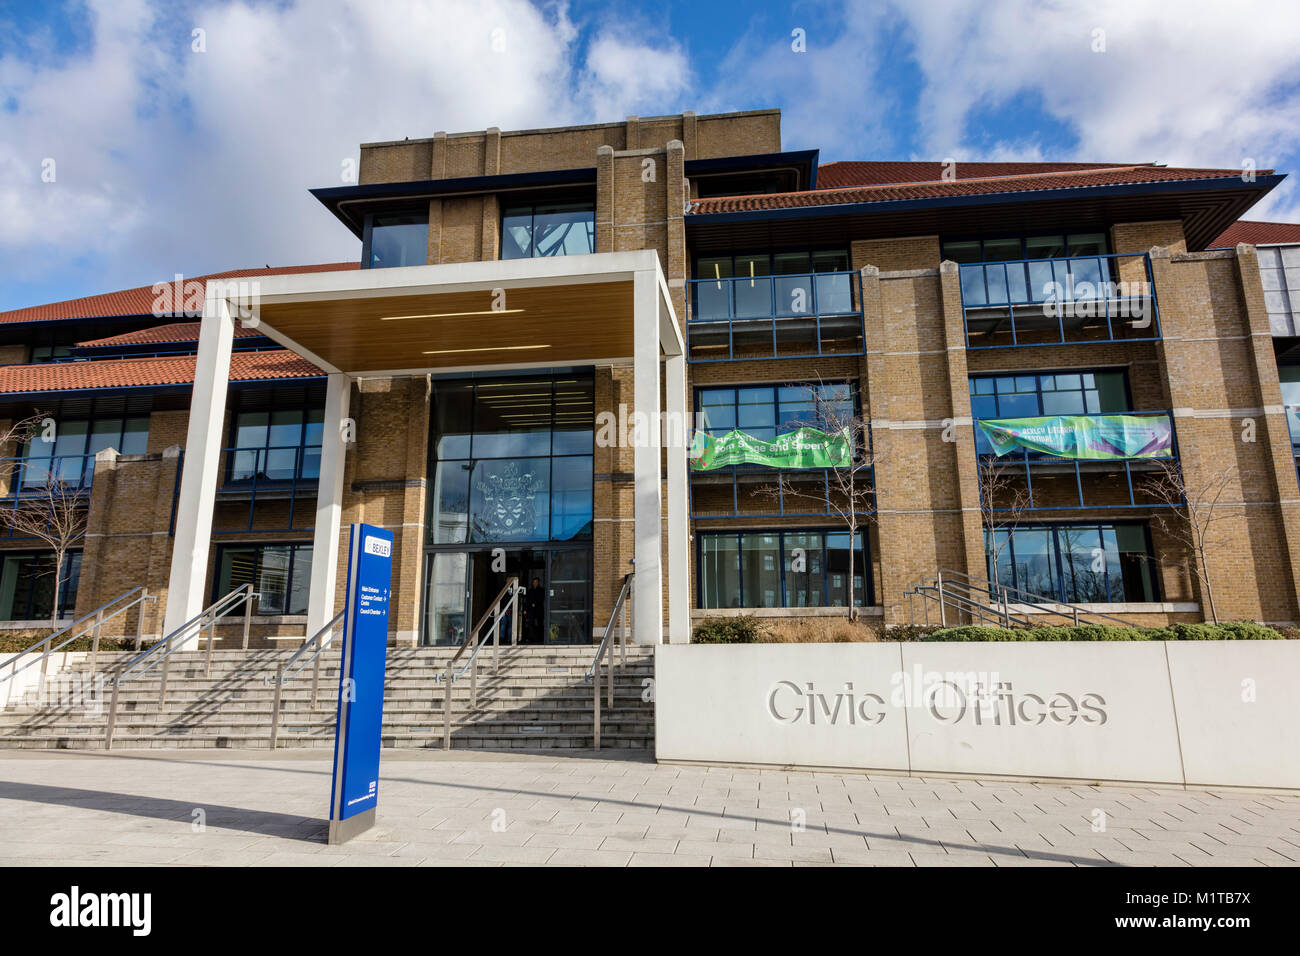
(1200, 83)
(173, 160)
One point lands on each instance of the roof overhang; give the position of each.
(801, 164)
(472, 316)
(351, 203)
(1205, 206)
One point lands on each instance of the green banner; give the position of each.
(1083, 436)
(805, 448)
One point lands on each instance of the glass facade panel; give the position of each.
(769, 569)
(27, 585)
(397, 240)
(1077, 564)
(280, 575)
(512, 459)
(765, 411)
(280, 445)
(548, 229)
(1056, 393)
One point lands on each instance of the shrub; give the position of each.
(1227, 631)
(818, 630)
(743, 629)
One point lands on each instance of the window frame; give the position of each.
(699, 390)
(868, 581)
(531, 204)
(295, 549)
(1039, 374)
(231, 450)
(1057, 563)
(368, 225)
(67, 601)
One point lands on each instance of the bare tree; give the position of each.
(52, 510)
(1197, 510)
(852, 488)
(1003, 503)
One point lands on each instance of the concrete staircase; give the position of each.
(539, 700)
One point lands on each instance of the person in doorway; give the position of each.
(534, 613)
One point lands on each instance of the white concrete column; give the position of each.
(329, 504)
(186, 588)
(647, 604)
(679, 566)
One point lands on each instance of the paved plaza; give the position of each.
(248, 808)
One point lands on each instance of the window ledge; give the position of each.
(29, 625)
(238, 619)
(873, 610)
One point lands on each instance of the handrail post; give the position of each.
(112, 716)
(248, 614)
(943, 616)
(315, 676)
(623, 628)
(473, 684)
(275, 707)
(609, 674)
(94, 641)
(595, 718)
(45, 663)
(212, 634)
(139, 619)
(496, 652)
(167, 663)
(514, 613)
(446, 710)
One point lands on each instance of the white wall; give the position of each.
(1215, 713)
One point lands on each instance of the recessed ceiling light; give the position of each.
(495, 348)
(448, 315)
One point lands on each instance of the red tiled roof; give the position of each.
(876, 173)
(140, 301)
(175, 332)
(1245, 230)
(129, 372)
(989, 185)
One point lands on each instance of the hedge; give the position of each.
(1227, 631)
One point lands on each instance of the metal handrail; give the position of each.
(331, 627)
(512, 590)
(99, 620)
(944, 591)
(172, 642)
(620, 607)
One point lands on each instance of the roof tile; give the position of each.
(135, 372)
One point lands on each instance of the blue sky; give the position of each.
(127, 155)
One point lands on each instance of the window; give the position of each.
(783, 284)
(765, 411)
(1290, 376)
(512, 459)
(48, 353)
(1279, 269)
(1082, 259)
(275, 445)
(760, 569)
(1052, 393)
(27, 585)
(395, 239)
(280, 575)
(70, 455)
(1077, 564)
(548, 229)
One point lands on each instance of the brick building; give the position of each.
(518, 290)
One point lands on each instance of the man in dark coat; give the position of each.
(534, 613)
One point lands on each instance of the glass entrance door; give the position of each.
(554, 608)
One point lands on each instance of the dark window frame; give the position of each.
(67, 601)
(295, 549)
(698, 393)
(306, 406)
(532, 203)
(1057, 564)
(868, 582)
(367, 230)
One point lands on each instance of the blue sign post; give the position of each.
(357, 735)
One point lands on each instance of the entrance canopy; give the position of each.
(600, 309)
(516, 313)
